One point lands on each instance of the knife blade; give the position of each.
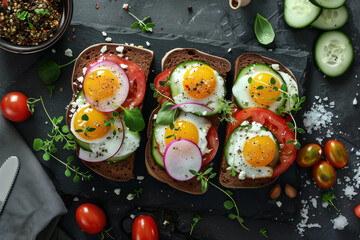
(8, 172)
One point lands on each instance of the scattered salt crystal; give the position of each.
(132, 216)
(131, 44)
(148, 43)
(68, 52)
(104, 33)
(165, 222)
(340, 222)
(108, 39)
(140, 178)
(325, 99)
(278, 203)
(314, 202)
(53, 50)
(117, 191)
(276, 67)
(103, 49)
(229, 50)
(93, 189)
(317, 118)
(130, 197)
(127, 58)
(325, 204)
(319, 140)
(355, 102)
(317, 97)
(76, 199)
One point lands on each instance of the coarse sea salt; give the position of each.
(340, 222)
(318, 117)
(350, 192)
(68, 52)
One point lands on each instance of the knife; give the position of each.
(8, 172)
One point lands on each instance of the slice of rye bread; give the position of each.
(123, 170)
(172, 59)
(224, 178)
(193, 185)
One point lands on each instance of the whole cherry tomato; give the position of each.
(14, 107)
(144, 228)
(357, 211)
(336, 154)
(90, 218)
(324, 174)
(309, 155)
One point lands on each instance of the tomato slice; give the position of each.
(159, 82)
(277, 125)
(136, 78)
(213, 144)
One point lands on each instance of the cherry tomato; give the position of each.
(324, 174)
(336, 154)
(90, 218)
(357, 211)
(14, 107)
(277, 125)
(144, 228)
(309, 155)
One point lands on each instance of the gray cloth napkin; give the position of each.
(33, 202)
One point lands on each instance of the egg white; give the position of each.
(235, 156)
(292, 88)
(203, 125)
(180, 96)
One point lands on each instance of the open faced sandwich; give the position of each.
(182, 130)
(109, 83)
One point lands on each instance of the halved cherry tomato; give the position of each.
(159, 82)
(309, 155)
(213, 144)
(357, 211)
(90, 218)
(136, 78)
(324, 174)
(14, 107)
(336, 154)
(277, 125)
(145, 228)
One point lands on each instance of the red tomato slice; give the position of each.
(277, 125)
(213, 144)
(165, 90)
(136, 78)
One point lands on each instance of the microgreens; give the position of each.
(227, 110)
(145, 27)
(133, 118)
(287, 97)
(137, 193)
(196, 219)
(61, 134)
(166, 116)
(42, 12)
(229, 204)
(49, 72)
(232, 168)
(105, 234)
(327, 198)
(164, 84)
(25, 15)
(112, 119)
(158, 94)
(263, 232)
(86, 129)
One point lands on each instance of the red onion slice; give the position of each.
(180, 156)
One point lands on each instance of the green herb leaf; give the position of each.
(260, 88)
(79, 130)
(300, 130)
(263, 30)
(37, 144)
(133, 119)
(290, 125)
(232, 216)
(283, 87)
(46, 156)
(327, 198)
(85, 117)
(228, 204)
(91, 129)
(67, 173)
(263, 232)
(291, 141)
(193, 172)
(207, 171)
(229, 192)
(65, 129)
(166, 116)
(49, 71)
(250, 80)
(278, 99)
(76, 179)
(70, 159)
(272, 81)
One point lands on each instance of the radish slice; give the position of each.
(107, 148)
(180, 156)
(194, 103)
(102, 89)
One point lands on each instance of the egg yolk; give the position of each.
(259, 151)
(262, 91)
(100, 84)
(199, 82)
(182, 130)
(89, 123)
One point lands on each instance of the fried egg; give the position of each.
(106, 85)
(186, 126)
(258, 85)
(197, 82)
(252, 150)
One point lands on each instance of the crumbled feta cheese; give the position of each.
(80, 79)
(124, 66)
(340, 222)
(154, 117)
(103, 49)
(117, 191)
(278, 203)
(108, 39)
(84, 70)
(242, 175)
(130, 197)
(68, 52)
(276, 67)
(140, 178)
(148, 43)
(104, 33)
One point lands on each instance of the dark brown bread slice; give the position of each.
(192, 186)
(180, 55)
(123, 170)
(224, 178)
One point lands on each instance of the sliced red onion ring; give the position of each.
(194, 103)
(106, 149)
(180, 156)
(107, 104)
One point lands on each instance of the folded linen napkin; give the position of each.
(33, 202)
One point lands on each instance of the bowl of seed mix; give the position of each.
(30, 26)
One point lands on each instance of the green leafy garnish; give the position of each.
(166, 116)
(232, 168)
(105, 234)
(227, 110)
(49, 72)
(133, 118)
(229, 204)
(42, 12)
(158, 94)
(112, 119)
(263, 30)
(196, 219)
(327, 198)
(25, 15)
(145, 27)
(137, 193)
(263, 232)
(59, 134)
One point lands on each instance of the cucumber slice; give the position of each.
(331, 19)
(130, 144)
(333, 53)
(300, 13)
(329, 3)
(155, 151)
(83, 145)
